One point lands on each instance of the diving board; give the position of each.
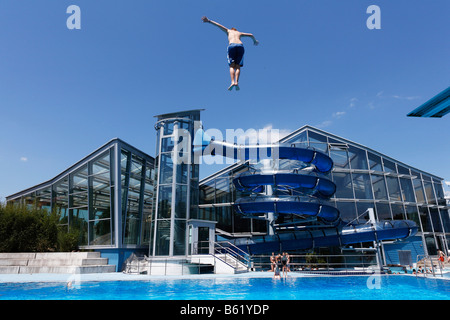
(436, 107)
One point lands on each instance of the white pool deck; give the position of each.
(119, 276)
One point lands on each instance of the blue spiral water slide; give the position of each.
(301, 190)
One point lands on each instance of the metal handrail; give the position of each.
(320, 262)
(227, 249)
(233, 251)
(425, 258)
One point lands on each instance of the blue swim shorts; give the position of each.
(235, 54)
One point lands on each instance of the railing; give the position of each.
(232, 255)
(317, 263)
(225, 251)
(165, 266)
(425, 259)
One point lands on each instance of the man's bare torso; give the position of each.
(234, 36)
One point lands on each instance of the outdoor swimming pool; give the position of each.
(393, 287)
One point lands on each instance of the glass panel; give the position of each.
(445, 219)
(407, 190)
(124, 159)
(167, 144)
(147, 208)
(339, 156)
(61, 199)
(44, 199)
(207, 192)
(179, 237)
(347, 210)
(379, 187)
(437, 225)
(181, 202)
(402, 170)
(318, 141)
(125, 164)
(259, 226)
(100, 207)
(425, 219)
(374, 162)
(166, 169)
(241, 224)
(100, 232)
(168, 128)
(223, 194)
(439, 193)
(131, 235)
(431, 244)
(207, 214)
(165, 202)
(102, 164)
(30, 200)
(147, 222)
(162, 238)
(362, 207)
(134, 188)
(182, 173)
(80, 180)
(398, 212)
(193, 212)
(418, 189)
(78, 200)
(101, 199)
(389, 166)
(412, 214)
(394, 188)
(357, 158)
(224, 218)
(136, 166)
(203, 240)
(362, 186)
(78, 220)
(300, 138)
(383, 211)
(343, 183)
(429, 192)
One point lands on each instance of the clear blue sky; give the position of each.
(64, 93)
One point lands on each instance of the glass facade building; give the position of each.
(107, 197)
(364, 179)
(122, 200)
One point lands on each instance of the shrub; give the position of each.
(68, 240)
(24, 229)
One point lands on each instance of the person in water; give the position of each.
(235, 51)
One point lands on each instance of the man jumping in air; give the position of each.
(235, 51)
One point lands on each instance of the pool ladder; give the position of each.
(425, 260)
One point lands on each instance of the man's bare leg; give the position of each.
(237, 73)
(232, 75)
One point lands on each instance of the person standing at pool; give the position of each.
(284, 260)
(235, 51)
(273, 262)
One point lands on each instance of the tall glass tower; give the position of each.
(176, 183)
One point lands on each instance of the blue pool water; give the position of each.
(295, 288)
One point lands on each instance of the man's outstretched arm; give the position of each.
(205, 19)
(255, 42)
